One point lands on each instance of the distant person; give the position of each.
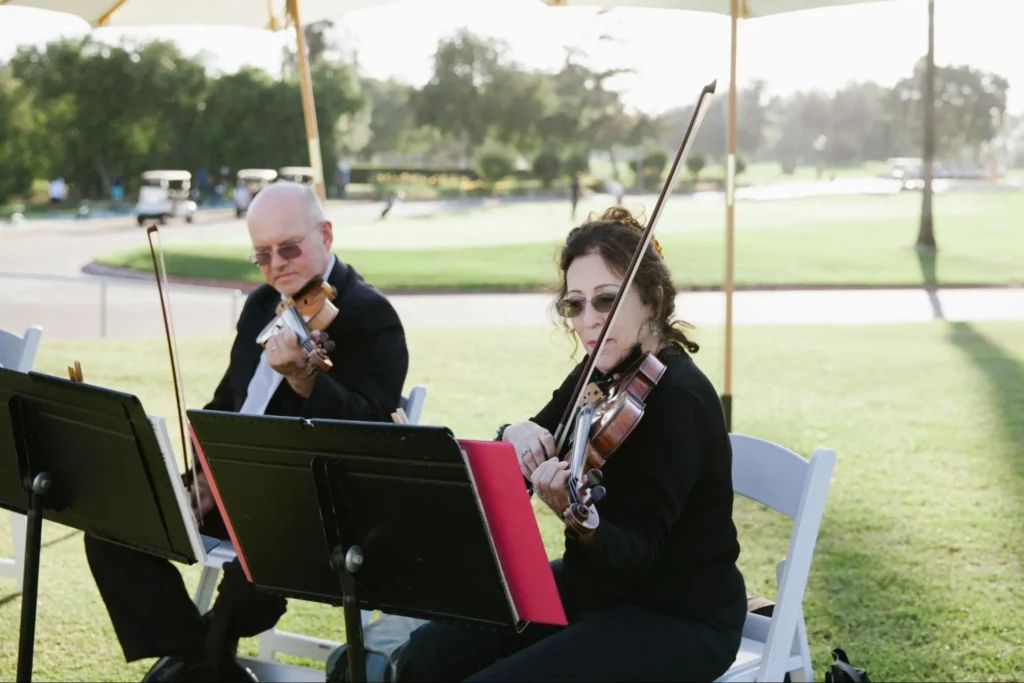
(58, 190)
(392, 200)
(117, 191)
(574, 192)
(614, 188)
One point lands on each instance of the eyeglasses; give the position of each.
(572, 307)
(289, 251)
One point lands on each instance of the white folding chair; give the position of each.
(18, 353)
(274, 641)
(787, 483)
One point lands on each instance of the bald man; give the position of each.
(151, 610)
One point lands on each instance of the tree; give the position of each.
(546, 166)
(695, 164)
(17, 128)
(926, 232)
(454, 101)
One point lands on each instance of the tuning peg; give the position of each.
(597, 494)
(594, 477)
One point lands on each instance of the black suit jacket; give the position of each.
(370, 358)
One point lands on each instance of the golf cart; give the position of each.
(163, 195)
(296, 174)
(250, 182)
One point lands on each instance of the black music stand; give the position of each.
(368, 516)
(88, 458)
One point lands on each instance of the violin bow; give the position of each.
(160, 271)
(703, 102)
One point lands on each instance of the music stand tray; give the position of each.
(373, 516)
(91, 459)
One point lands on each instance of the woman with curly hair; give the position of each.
(653, 593)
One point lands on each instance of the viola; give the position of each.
(599, 420)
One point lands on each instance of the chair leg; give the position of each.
(18, 528)
(805, 673)
(204, 590)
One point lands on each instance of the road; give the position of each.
(41, 283)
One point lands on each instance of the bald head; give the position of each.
(286, 221)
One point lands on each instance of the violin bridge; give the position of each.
(592, 394)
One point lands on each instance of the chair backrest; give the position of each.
(413, 405)
(19, 353)
(783, 481)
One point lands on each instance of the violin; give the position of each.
(311, 308)
(599, 419)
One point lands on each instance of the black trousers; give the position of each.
(621, 643)
(152, 611)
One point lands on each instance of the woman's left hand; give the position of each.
(550, 484)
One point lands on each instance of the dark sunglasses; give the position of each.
(263, 257)
(572, 307)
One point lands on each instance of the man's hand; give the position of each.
(550, 484)
(286, 356)
(533, 445)
(202, 487)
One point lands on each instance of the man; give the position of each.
(152, 612)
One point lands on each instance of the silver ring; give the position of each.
(526, 451)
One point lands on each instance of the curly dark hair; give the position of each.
(616, 236)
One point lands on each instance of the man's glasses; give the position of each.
(572, 307)
(263, 257)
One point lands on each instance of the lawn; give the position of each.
(848, 240)
(918, 566)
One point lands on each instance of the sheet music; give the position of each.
(184, 507)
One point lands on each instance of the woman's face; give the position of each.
(591, 289)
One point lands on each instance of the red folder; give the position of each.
(514, 533)
(220, 505)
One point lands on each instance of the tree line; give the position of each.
(92, 112)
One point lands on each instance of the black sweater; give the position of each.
(666, 538)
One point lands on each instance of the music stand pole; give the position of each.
(30, 582)
(347, 565)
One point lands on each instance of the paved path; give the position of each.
(77, 309)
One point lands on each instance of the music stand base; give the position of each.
(30, 583)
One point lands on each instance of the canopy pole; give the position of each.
(730, 205)
(308, 107)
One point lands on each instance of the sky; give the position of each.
(674, 53)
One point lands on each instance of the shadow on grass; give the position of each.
(1005, 377)
(9, 598)
(865, 597)
(928, 261)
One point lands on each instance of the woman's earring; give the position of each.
(654, 327)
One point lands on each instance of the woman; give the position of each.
(653, 593)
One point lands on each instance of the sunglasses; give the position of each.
(263, 257)
(572, 307)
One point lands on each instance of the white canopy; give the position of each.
(748, 9)
(265, 14)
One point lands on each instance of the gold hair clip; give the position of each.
(657, 247)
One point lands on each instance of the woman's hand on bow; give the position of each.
(534, 445)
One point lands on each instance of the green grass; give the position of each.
(917, 572)
(856, 240)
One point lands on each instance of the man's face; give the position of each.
(289, 250)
